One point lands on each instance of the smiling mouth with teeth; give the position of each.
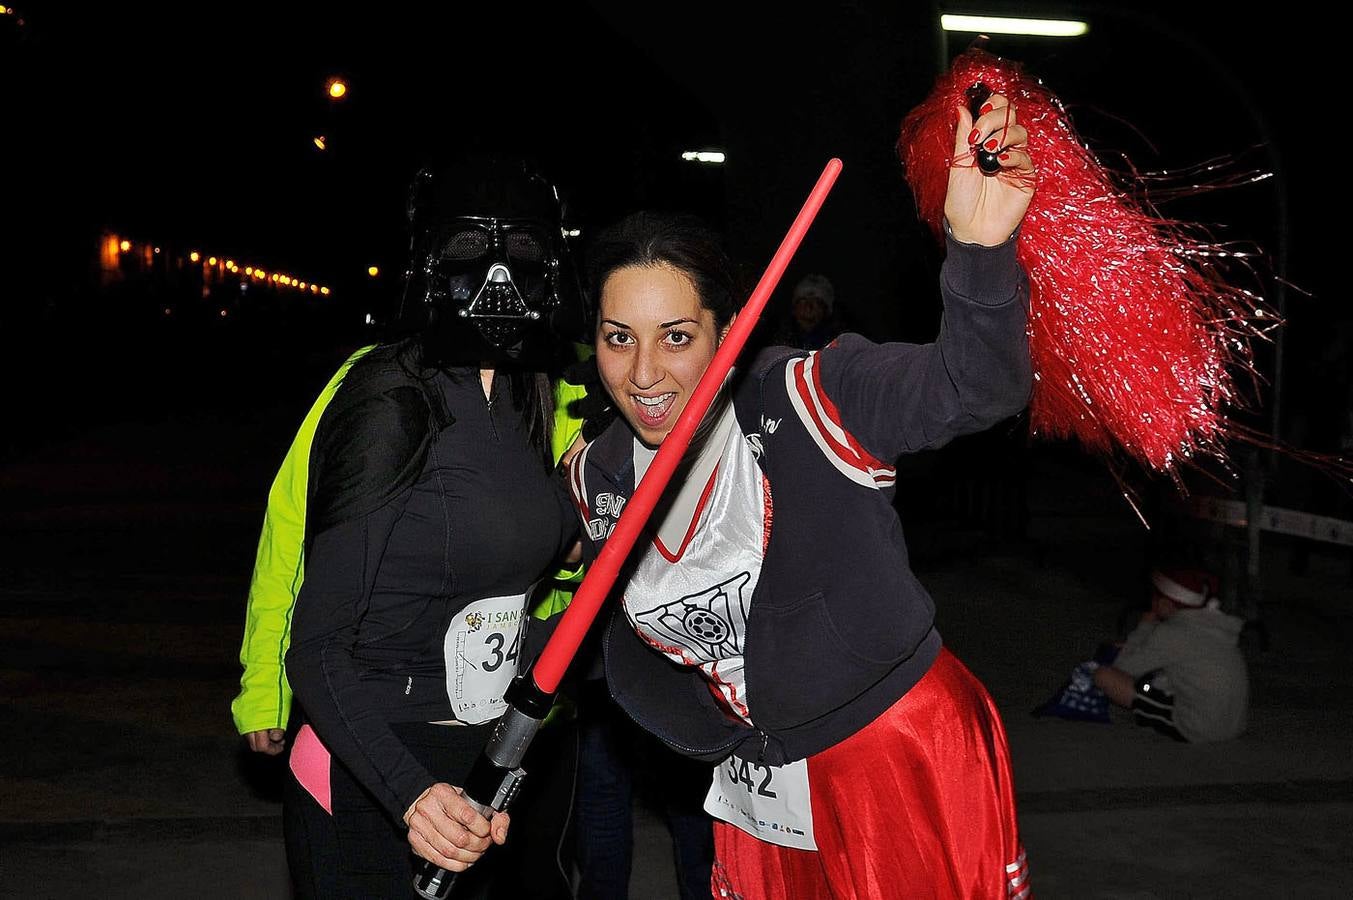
(651, 412)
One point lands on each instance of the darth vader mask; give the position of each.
(487, 254)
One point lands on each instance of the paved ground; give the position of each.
(122, 575)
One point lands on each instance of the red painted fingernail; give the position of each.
(986, 108)
(992, 144)
(972, 138)
(1004, 156)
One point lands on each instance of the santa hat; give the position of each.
(1192, 588)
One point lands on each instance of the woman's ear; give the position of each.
(723, 332)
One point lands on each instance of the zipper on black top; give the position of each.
(488, 402)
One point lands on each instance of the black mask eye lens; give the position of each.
(465, 245)
(525, 246)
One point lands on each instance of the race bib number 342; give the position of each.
(768, 802)
(481, 649)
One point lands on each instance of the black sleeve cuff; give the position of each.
(987, 275)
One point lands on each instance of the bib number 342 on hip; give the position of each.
(768, 802)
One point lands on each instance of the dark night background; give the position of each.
(145, 408)
(193, 130)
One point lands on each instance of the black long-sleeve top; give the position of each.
(482, 518)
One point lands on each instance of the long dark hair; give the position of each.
(682, 241)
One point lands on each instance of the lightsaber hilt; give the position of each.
(496, 776)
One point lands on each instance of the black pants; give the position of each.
(361, 853)
(616, 761)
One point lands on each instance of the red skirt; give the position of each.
(920, 803)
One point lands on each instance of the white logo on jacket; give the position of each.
(609, 504)
(599, 529)
(709, 625)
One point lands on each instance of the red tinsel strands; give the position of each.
(1134, 331)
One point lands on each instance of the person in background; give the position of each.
(1180, 670)
(813, 321)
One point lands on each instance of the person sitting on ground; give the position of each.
(1180, 670)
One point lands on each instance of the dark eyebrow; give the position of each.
(662, 325)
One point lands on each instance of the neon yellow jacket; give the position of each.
(264, 700)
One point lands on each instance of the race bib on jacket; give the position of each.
(482, 647)
(768, 802)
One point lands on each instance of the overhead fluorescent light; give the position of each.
(713, 157)
(1003, 25)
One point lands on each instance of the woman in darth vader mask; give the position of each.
(433, 517)
(488, 285)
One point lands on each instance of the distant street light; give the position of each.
(372, 271)
(319, 141)
(338, 88)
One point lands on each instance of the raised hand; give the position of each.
(986, 209)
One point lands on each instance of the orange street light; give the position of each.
(372, 271)
(124, 246)
(319, 141)
(338, 88)
(195, 256)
